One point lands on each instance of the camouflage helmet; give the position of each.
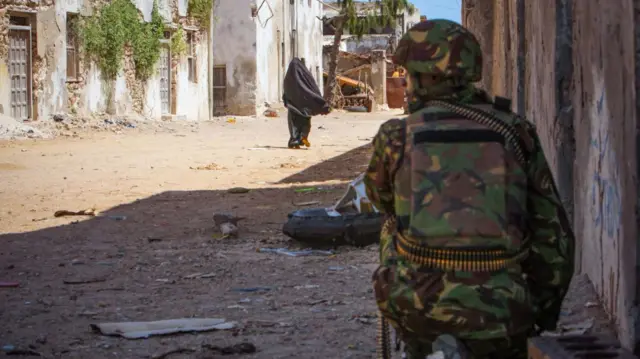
(442, 48)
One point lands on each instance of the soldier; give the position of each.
(476, 250)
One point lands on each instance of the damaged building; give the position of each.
(254, 43)
(45, 71)
(365, 75)
(376, 38)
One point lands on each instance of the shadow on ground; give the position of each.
(161, 258)
(344, 167)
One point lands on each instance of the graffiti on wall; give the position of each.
(605, 188)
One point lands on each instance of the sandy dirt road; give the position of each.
(153, 250)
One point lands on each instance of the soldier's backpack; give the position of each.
(461, 184)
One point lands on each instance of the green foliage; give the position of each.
(385, 14)
(178, 44)
(201, 11)
(105, 34)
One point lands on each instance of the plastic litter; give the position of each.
(297, 253)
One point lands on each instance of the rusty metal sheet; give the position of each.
(395, 92)
(576, 347)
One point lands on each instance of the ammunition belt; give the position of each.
(457, 259)
(491, 121)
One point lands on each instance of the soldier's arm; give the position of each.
(549, 267)
(378, 181)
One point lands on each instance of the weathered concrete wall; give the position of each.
(52, 92)
(257, 49)
(605, 123)
(192, 96)
(273, 28)
(235, 45)
(578, 83)
(477, 15)
(367, 43)
(309, 36)
(295, 22)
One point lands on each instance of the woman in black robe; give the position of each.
(303, 100)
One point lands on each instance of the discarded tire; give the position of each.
(316, 228)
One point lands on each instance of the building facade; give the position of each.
(253, 44)
(44, 71)
(377, 38)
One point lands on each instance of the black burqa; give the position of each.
(303, 100)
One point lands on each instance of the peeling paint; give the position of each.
(89, 95)
(257, 50)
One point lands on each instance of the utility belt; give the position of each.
(454, 259)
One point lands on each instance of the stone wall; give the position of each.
(570, 67)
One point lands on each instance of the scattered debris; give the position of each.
(200, 276)
(355, 109)
(242, 348)
(220, 218)
(437, 355)
(227, 223)
(251, 289)
(228, 230)
(9, 284)
(87, 212)
(307, 286)
(306, 190)
(578, 328)
(309, 203)
(11, 129)
(84, 281)
(59, 118)
(590, 304)
(237, 190)
(173, 351)
(365, 318)
(139, 330)
(270, 113)
(287, 165)
(154, 239)
(209, 167)
(295, 253)
(23, 352)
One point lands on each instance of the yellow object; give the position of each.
(231, 120)
(306, 142)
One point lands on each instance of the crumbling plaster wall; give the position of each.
(192, 96)
(132, 96)
(367, 43)
(570, 66)
(272, 29)
(309, 36)
(89, 95)
(235, 45)
(47, 40)
(606, 171)
(301, 16)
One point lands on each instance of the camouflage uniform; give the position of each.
(453, 195)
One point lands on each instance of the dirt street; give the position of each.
(152, 252)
